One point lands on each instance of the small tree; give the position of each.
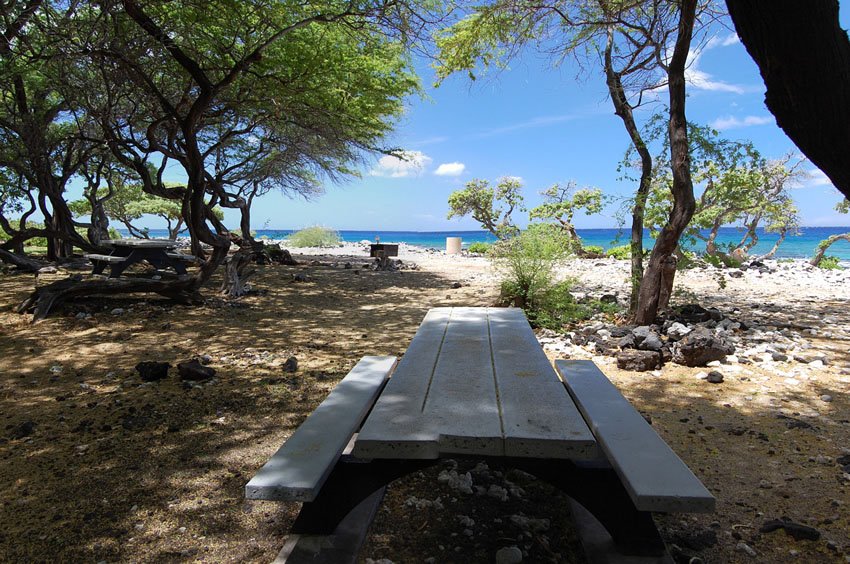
(527, 262)
(482, 202)
(561, 204)
(841, 207)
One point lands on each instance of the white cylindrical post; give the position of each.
(453, 245)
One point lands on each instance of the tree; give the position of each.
(841, 207)
(657, 283)
(738, 187)
(560, 205)
(629, 37)
(41, 148)
(804, 59)
(482, 202)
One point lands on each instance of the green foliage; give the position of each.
(830, 262)
(479, 247)
(483, 203)
(593, 250)
(316, 236)
(527, 263)
(561, 204)
(623, 252)
(722, 260)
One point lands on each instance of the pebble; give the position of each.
(714, 377)
(826, 398)
(508, 555)
(747, 549)
(117, 311)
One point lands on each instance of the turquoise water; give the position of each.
(798, 246)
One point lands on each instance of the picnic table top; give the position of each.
(143, 243)
(475, 381)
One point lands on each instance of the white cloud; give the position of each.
(731, 122)
(450, 169)
(816, 177)
(408, 163)
(702, 80)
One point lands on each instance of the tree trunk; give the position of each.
(824, 245)
(23, 262)
(623, 109)
(782, 234)
(804, 59)
(235, 276)
(657, 283)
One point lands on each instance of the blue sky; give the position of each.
(545, 125)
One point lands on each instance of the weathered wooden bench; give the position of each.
(299, 469)
(655, 477)
(595, 447)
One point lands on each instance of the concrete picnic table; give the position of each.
(475, 383)
(126, 252)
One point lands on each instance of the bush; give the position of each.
(316, 236)
(623, 252)
(593, 250)
(479, 248)
(527, 262)
(722, 260)
(829, 263)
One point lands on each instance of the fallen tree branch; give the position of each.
(44, 298)
(23, 262)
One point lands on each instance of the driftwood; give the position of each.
(44, 298)
(235, 275)
(23, 262)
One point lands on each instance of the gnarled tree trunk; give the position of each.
(824, 245)
(804, 58)
(657, 283)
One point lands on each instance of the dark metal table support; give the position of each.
(595, 486)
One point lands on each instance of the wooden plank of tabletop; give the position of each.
(539, 417)
(462, 403)
(396, 428)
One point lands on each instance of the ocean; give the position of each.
(797, 246)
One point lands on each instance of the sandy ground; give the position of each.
(97, 466)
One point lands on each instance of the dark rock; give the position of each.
(694, 313)
(152, 371)
(300, 277)
(714, 377)
(291, 364)
(608, 299)
(25, 429)
(457, 285)
(698, 539)
(627, 341)
(639, 361)
(794, 530)
(700, 347)
(792, 423)
(619, 331)
(736, 274)
(195, 371)
(652, 342)
(843, 460)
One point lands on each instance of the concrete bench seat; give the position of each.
(105, 258)
(181, 256)
(654, 476)
(299, 469)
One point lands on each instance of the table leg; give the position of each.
(350, 482)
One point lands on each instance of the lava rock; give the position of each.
(291, 364)
(25, 429)
(794, 530)
(639, 361)
(152, 371)
(508, 555)
(651, 343)
(195, 371)
(714, 377)
(700, 347)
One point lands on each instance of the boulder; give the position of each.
(639, 361)
(700, 347)
(677, 331)
(652, 342)
(152, 371)
(195, 371)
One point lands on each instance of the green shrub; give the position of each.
(479, 248)
(829, 262)
(527, 262)
(593, 250)
(722, 260)
(316, 236)
(623, 252)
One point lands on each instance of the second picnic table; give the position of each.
(126, 252)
